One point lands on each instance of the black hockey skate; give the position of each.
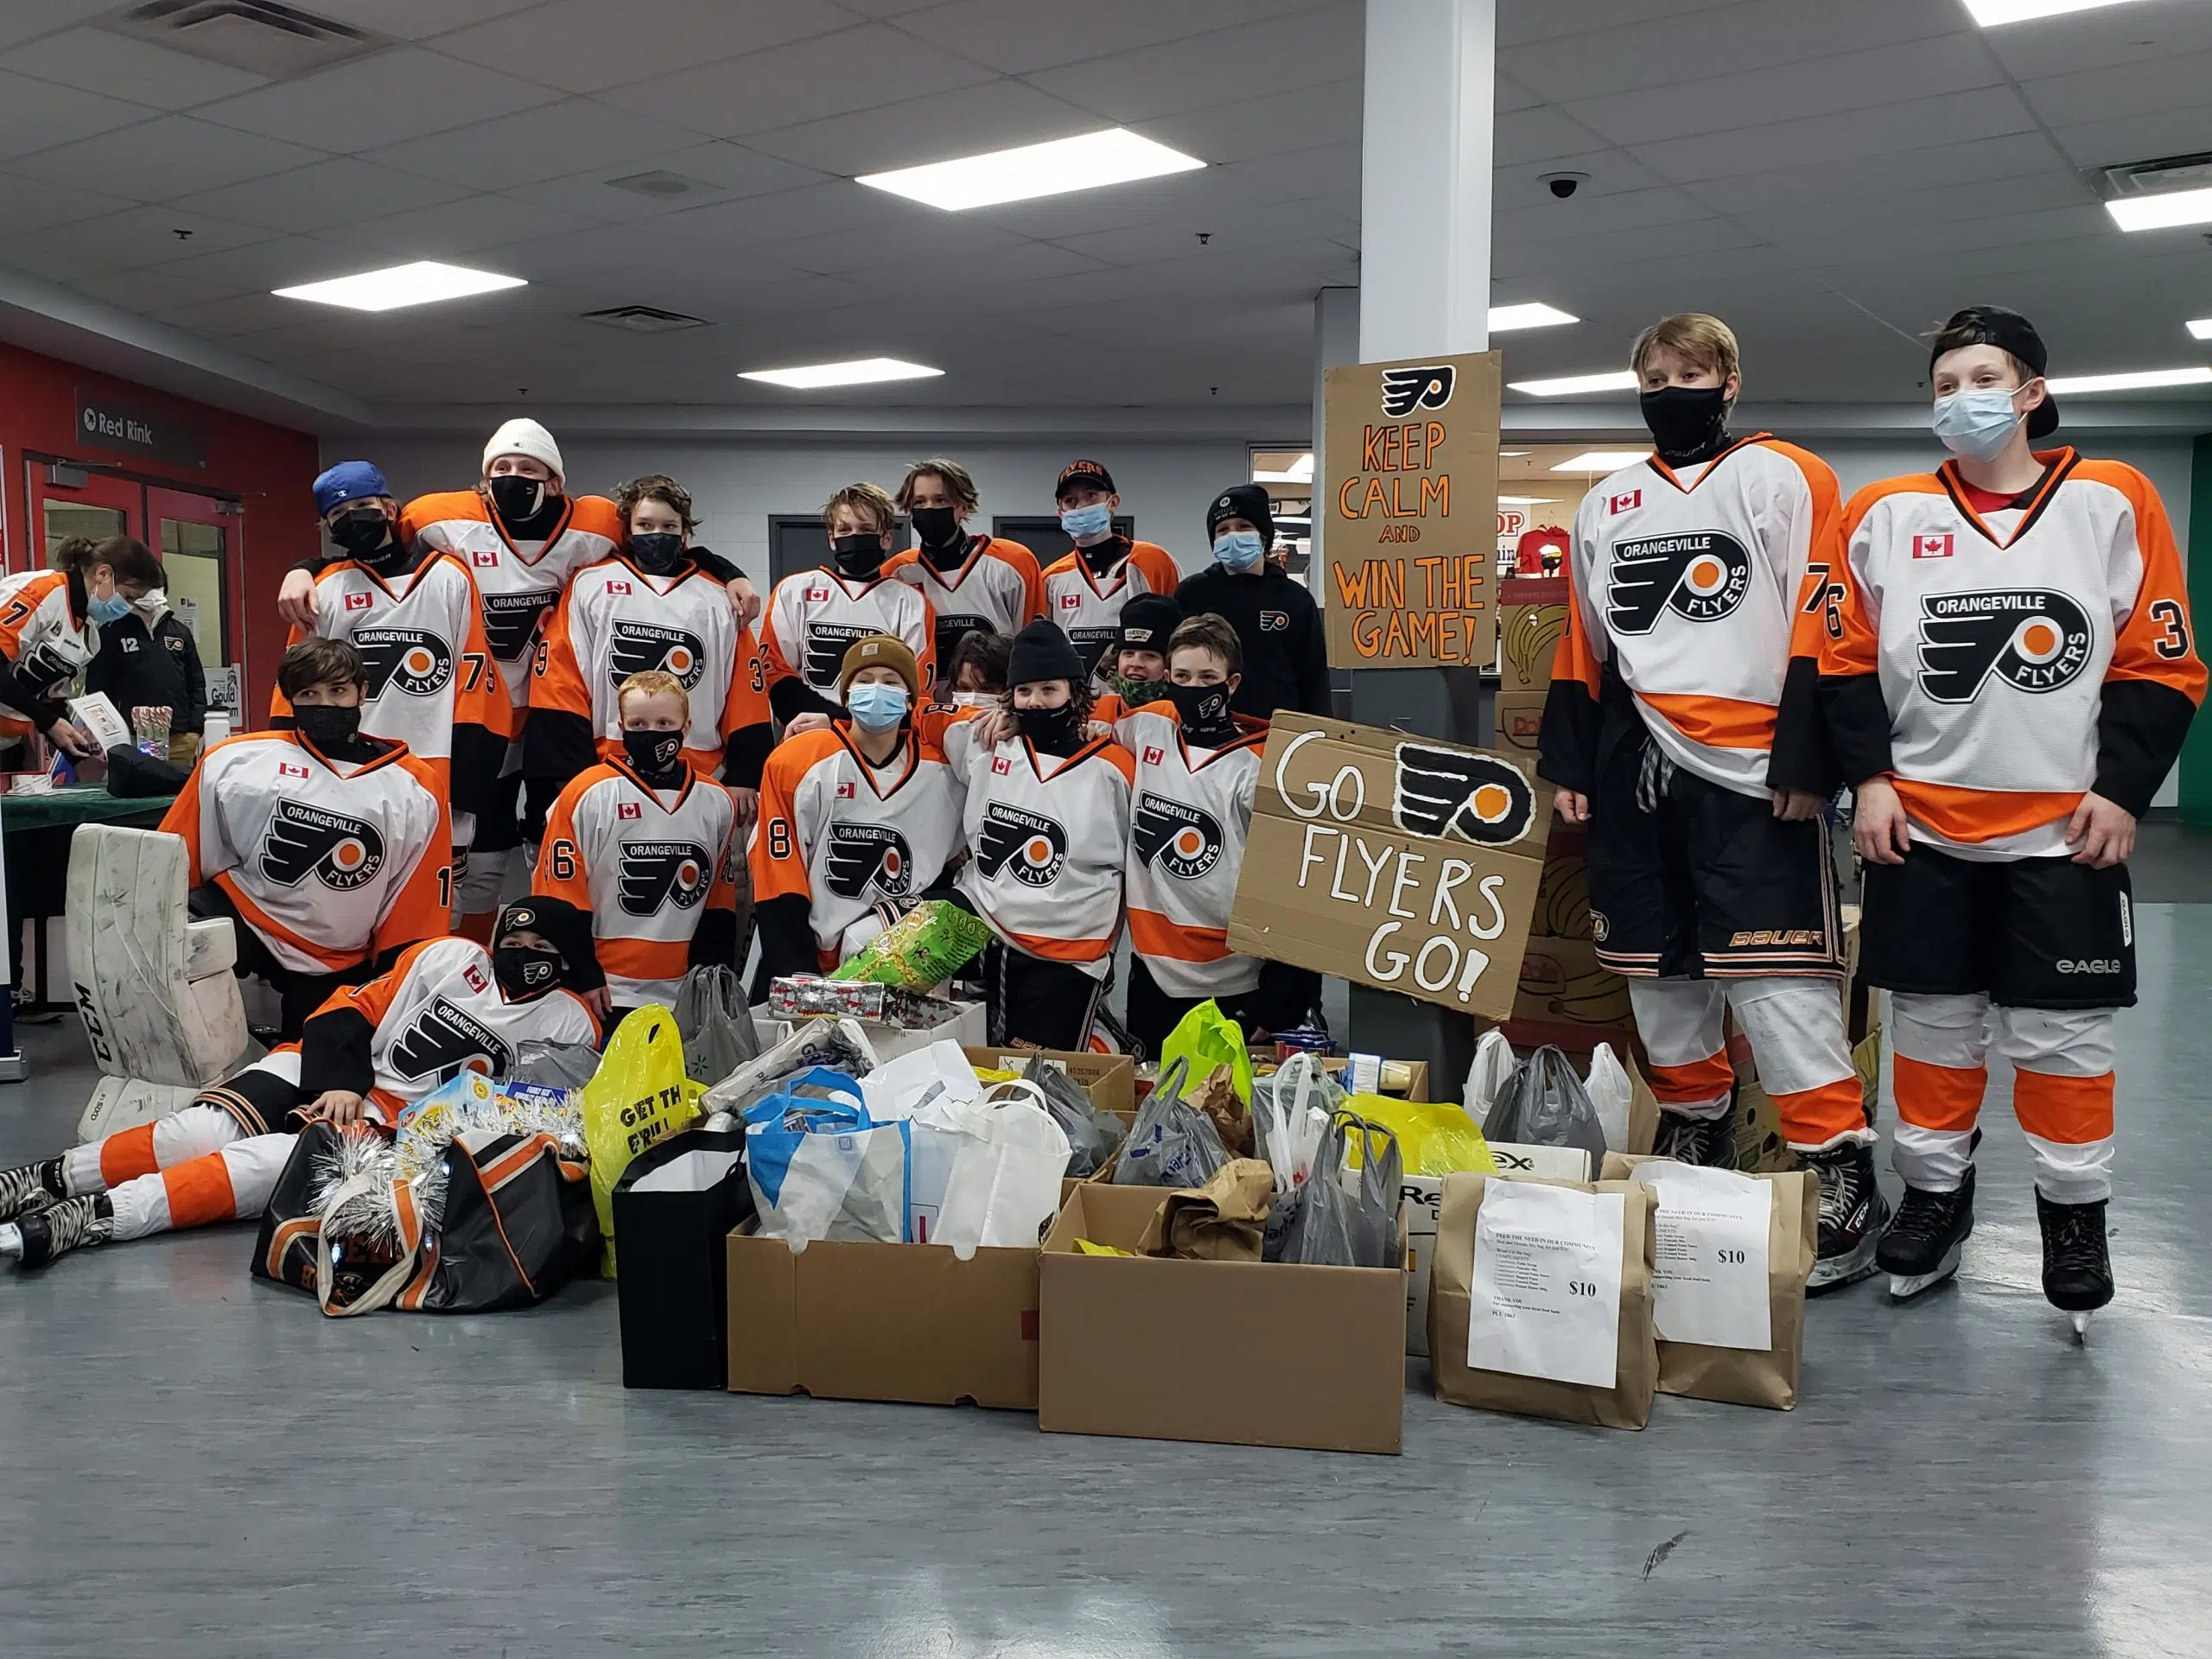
(28, 1187)
(70, 1224)
(1853, 1214)
(2076, 1268)
(1709, 1141)
(1922, 1245)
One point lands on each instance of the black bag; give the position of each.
(674, 1285)
(132, 773)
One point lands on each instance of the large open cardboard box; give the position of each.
(1111, 1080)
(1243, 1353)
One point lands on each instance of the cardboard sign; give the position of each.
(1395, 860)
(1410, 491)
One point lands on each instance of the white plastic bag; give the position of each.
(918, 1078)
(1289, 1116)
(1493, 1065)
(1004, 1184)
(1610, 1092)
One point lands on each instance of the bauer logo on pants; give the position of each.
(1477, 797)
(864, 855)
(657, 872)
(1177, 836)
(342, 853)
(1028, 845)
(2031, 638)
(1702, 576)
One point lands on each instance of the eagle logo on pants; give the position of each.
(342, 853)
(659, 873)
(443, 1041)
(2036, 640)
(1701, 575)
(414, 660)
(862, 855)
(1028, 845)
(1477, 797)
(825, 650)
(1178, 838)
(636, 647)
(511, 622)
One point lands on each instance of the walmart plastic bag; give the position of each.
(715, 1024)
(1206, 1037)
(1005, 1181)
(1346, 1218)
(1172, 1143)
(638, 1094)
(1488, 1076)
(1544, 1104)
(1611, 1093)
(1290, 1112)
(1435, 1137)
(820, 1167)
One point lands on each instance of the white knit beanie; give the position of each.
(523, 436)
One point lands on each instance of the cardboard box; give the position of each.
(1520, 719)
(1528, 636)
(1562, 984)
(1111, 1079)
(869, 1321)
(1417, 1081)
(1563, 896)
(1240, 1353)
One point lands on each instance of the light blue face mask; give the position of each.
(113, 608)
(1238, 550)
(876, 707)
(1977, 423)
(1094, 520)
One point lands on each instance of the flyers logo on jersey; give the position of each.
(1028, 845)
(1407, 390)
(342, 853)
(1626, 501)
(634, 647)
(417, 662)
(443, 1041)
(1702, 575)
(1477, 797)
(1176, 836)
(1934, 547)
(359, 602)
(2032, 637)
(862, 855)
(656, 874)
(826, 644)
(49, 666)
(510, 619)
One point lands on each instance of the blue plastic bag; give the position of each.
(820, 1167)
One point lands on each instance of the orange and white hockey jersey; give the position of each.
(331, 863)
(1049, 839)
(2001, 664)
(647, 866)
(812, 617)
(1189, 812)
(1088, 608)
(1690, 583)
(996, 590)
(850, 836)
(614, 621)
(46, 644)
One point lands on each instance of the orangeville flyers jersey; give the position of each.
(1048, 839)
(813, 616)
(331, 862)
(997, 588)
(519, 580)
(1088, 608)
(850, 837)
(2023, 656)
(645, 864)
(439, 1012)
(1190, 810)
(43, 639)
(615, 621)
(1690, 583)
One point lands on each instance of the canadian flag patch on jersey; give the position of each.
(844, 792)
(1932, 547)
(475, 977)
(1068, 602)
(357, 601)
(817, 595)
(485, 558)
(286, 769)
(628, 810)
(1001, 765)
(1626, 501)
(1153, 757)
(614, 587)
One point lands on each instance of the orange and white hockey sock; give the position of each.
(2063, 1095)
(1795, 1025)
(1940, 1047)
(226, 1185)
(100, 1165)
(1680, 1022)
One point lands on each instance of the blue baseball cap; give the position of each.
(349, 480)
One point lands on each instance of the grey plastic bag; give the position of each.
(1347, 1217)
(557, 1065)
(1172, 1143)
(715, 1024)
(1543, 1103)
(1092, 1132)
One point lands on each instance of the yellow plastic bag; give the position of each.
(1207, 1037)
(639, 1095)
(1435, 1137)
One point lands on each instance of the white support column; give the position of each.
(1336, 343)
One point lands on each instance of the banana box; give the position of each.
(1528, 636)
(1563, 895)
(1520, 720)
(1561, 984)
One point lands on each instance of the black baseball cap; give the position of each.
(1083, 472)
(2007, 330)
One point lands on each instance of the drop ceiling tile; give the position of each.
(839, 206)
(1019, 36)
(26, 20)
(284, 262)
(417, 20)
(1572, 222)
(807, 80)
(1308, 49)
(100, 60)
(534, 145)
(955, 239)
(996, 115)
(248, 312)
(730, 172)
(153, 292)
(2133, 136)
(1263, 126)
(1540, 134)
(137, 237)
(328, 193)
(2102, 39)
(174, 156)
(454, 228)
(1138, 244)
(398, 94)
(34, 204)
(584, 46)
(1925, 124)
(1969, 165)
(2096, 95)
(36, 115)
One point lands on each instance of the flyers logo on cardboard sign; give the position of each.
(1477, 797)
(1407, 390)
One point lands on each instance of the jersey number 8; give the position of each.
(779, 838)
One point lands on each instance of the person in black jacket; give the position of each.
(1277, 623)
(150, 660)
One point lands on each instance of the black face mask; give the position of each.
(522, 973)
(327, 726)
(653, 754)
(1688, 423)
(362, 531)
(1056, 731)
(520, 500)
(858, 555)
(937, 527)
(656, 554)
(1202, 709)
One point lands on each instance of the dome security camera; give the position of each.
(1564, 185)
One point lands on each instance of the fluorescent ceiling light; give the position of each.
(1114, 156)
(1525, 500)
(1991, 13)
(861, 371)
(2200, 327)
(1512, 454)
(1571, 385)
(2145, 380)
(2161, 212)
(387, 290)
(1503, 319)
(1603, 460)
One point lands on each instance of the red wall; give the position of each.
(271, 467)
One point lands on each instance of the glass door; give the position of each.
(92, 505)
(197, 542)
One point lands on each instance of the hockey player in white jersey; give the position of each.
(976, 584)
(49, 630)
(1085, 589)
(370, 1051)
(814, 617)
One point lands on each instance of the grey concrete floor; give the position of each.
(195, 1465)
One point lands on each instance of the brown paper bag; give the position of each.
(1739, 1376)
(1223, 1220)
(1627, 1404)
(1232, 1119)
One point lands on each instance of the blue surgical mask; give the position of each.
(113, 608)
(1238, 550)
(1976, 424)
(1094, 520)
(876, 707)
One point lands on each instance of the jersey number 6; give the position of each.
(563, 855)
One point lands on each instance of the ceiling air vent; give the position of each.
(2155, 178)
(644, 320)
(661, 183)
(260, 36)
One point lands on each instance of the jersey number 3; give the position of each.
(2173, 643)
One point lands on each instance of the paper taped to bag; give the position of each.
(1397, 861)
(1423, 1196)
(1709, 1256)
(1545, 1296)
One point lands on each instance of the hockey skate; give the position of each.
(1920, 1248)
(28, 1187)
(1853, 1214)
(1708, 1141)
(2076, 1268)
(36, 1238)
